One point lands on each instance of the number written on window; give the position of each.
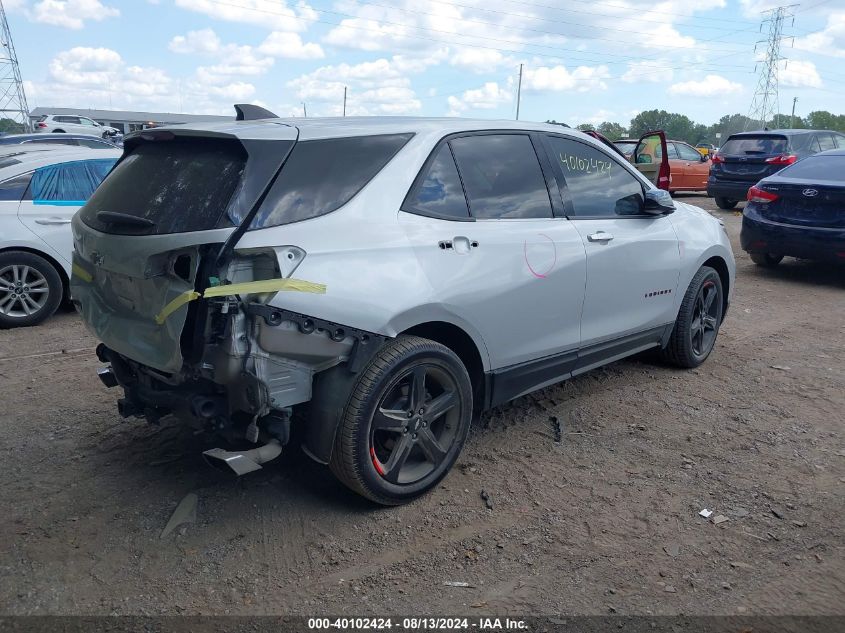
(604, 192)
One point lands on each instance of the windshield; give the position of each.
(817, 168)
(749, 145)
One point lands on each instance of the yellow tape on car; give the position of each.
(78, 271)
(265, 285)
(178, 302)
(249, 287)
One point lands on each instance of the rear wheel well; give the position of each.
(462, 344)
(721, 267)
(52, 260)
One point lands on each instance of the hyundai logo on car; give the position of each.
(810, 193)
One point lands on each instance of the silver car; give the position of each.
(387, 278)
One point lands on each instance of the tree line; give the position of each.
(680, 127)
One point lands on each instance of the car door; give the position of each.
(677, 168)
(89, 126)
(696, 166)
(481, 222)
(54, 194)
(651, 159)
(633, 259)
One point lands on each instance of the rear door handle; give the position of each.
(600, 236)
(49, 221)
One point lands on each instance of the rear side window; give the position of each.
(179, 185)
(14, 188)
(439, 192)
(750, 145)
(502, 176)
(826, 141)
(68, 183)
(815, 168)
(321, 176)
(596, 184)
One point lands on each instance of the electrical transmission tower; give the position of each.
(764, 104)
(12, 97)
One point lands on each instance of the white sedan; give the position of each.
(40, 190)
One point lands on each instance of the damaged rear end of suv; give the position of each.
(168, 274)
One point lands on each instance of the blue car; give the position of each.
(798, 212)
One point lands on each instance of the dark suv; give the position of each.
(747, 157)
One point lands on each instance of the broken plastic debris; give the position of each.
(719, 518)
(706, 513)
(452, 583)
(185, 512)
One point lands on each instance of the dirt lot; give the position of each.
(606, 519)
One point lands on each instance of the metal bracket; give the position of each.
(365, 345)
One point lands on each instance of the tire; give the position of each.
(726, 203)
(393, 458)
(19, 271)
(692, 339)
(766, 260)
(58, 131)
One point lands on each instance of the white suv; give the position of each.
(73, 124)
(385, 278)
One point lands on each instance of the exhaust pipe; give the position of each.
(243, 462)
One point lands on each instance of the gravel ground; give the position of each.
(603, 521)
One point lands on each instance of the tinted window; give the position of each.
(439, 192)
(839, 139)
(9, 161)
(815, 168)
(69, 183)
(180, 185)
(597, 184)
(626, 147)
(826, 141)
(686, 152)
(749, 145)
(14, 188)
(322, 176)
(672, 149)
(502, 176)
(54, 141)
(804, 143)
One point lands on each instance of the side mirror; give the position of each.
(705, 158)
(658, 202)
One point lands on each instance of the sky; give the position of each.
(584, 61)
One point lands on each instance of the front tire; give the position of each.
(405, 423)
(698, 322)
(30, 289)
(766, 260)
(726, 203)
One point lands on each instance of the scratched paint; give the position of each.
(540, 256)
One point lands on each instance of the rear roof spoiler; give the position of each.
(250, 112)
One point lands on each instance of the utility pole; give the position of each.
(12, 97)
(344, 101)
(519, 92)
(304, 111)
(764, 104)
(792, 117)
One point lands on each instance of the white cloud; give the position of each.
(795, 73)
(71, 14)
(488, 97)
(828, 41)
(85, 66)
(478, 60)
(271, 14)
(655, 71)
(381, 86)
(290, 45)
(710, 86)
(600, 116)
(559, 78)
(203, 41)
